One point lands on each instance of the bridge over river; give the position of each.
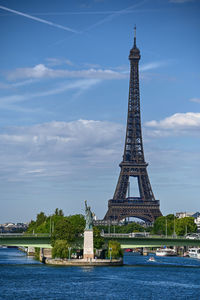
(126, 241)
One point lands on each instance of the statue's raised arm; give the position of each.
(85, 204)
(88, 217)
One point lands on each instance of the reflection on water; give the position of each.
(87, 269)
(14, 256)
(167, 278)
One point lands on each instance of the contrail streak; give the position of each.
(39, 20)
(110, 17)
(108, 12)
(116, 14)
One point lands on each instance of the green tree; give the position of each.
(98, 239)
(180, 225)
(185, 225)
(31, 227)
(64, 230)
(114, 249)
(61, 213)
(44, 224)
(56, 212)
(60, 249)
(41, 218)
(78, 222)
(128, 228)
(160, 223)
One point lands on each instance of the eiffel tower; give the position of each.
(144, 207)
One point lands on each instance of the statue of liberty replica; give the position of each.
(88, 217)
(88, 250)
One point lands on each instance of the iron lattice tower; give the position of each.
(133, 164)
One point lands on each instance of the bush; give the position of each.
(116, 251)
(60, 249)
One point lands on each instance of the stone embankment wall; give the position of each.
(45, 253)
(84, 262)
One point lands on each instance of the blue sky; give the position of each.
(64, 82)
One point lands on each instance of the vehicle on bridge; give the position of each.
(193, 236)
(139, 234)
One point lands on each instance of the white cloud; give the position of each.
(197, 100)
(16, 84)
(58, 61)
(152, 65)
(176, 124)
(79, 86)
(41, 71)
(59, 148)
(35, 171)
(95, 71)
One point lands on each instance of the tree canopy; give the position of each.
(114, 249)
(53, 224)
(170, 225)
(64, 230)
(185, 225)
(127, 228)
(60, 249)
(98, 239)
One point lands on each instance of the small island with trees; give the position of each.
(67, 234)
(67, 240)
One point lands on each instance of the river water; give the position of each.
(22, 277)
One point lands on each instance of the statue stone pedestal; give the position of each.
(88, 250)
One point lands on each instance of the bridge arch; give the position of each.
(144, 217)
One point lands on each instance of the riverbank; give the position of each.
(84, 262)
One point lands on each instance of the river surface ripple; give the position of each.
(168, 278)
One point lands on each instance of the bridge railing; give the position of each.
(25, 235)
(145, 235)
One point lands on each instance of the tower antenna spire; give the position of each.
(135, 36)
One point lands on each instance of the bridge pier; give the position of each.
(45, 253)
(31, 251)
(145, 251)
